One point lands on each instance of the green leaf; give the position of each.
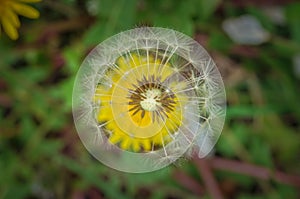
(17, 191)
(219, 41)
(207, 8)
(292, 13)
(246, 111)
(73, 58)
(121, 16)
(260, 152)
(285, 191)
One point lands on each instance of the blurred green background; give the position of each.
(257, 155)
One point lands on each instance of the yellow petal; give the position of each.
(104, 114)
(10, 30)
(25, 10)
(157, 139)
(12, 17)
(125, 143)
(114, 138)
(135, 145)
(146, 144)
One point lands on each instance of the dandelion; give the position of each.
(9, 11)
(146, 97)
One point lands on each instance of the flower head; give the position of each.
(9, 11)
(137, 104)
(145, 97)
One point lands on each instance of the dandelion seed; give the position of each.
(155, 95)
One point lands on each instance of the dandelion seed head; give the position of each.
(146, 97)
